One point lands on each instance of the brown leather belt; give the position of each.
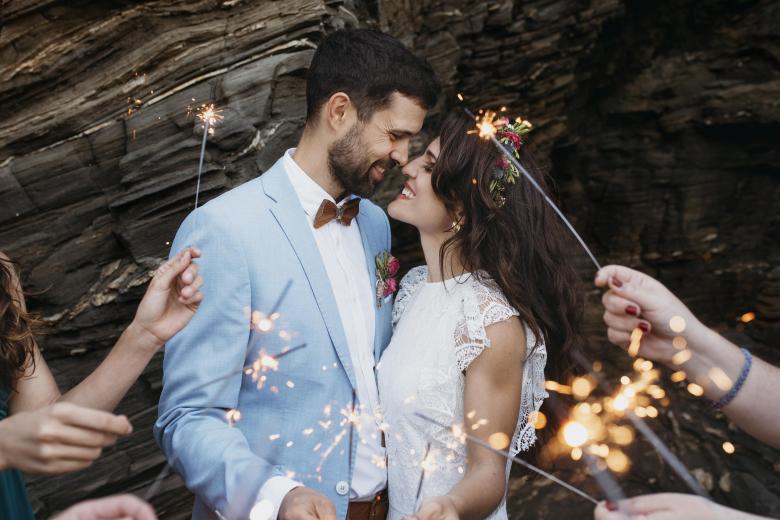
(374, 509)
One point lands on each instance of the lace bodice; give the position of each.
(439, 329)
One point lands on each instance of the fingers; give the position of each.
(603, 513)
(615, 275)
(178, 265)
(80, 437)
(188, 292)
(60, 467)
(123, 506)
(429, 510)
(616, 304)
(623, 323)
(69, 453)
(98, 420)
(619, 338)
(325, 510)
(117, 506)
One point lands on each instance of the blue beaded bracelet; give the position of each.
(731, 394)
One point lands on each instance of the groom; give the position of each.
(290, 258)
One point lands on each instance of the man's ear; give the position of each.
(338, 111)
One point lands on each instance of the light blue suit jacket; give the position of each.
(255, 238)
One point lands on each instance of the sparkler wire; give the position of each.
(674, 462)
(200, 160)
(528, 465)
(541, 191)
(152, 490)
(422, 477)
(243, 369)
(663, 450)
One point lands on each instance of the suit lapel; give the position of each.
(371, 248)
(289, 214)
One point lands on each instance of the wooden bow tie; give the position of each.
(343, 214)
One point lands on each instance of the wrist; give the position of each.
(716, 363)
(142, 338)
(457, 503)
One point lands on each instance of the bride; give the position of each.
(474, 328)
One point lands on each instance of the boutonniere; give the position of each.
(386, 268)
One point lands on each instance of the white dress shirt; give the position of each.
(341, 249)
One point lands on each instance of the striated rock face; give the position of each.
(660, 121)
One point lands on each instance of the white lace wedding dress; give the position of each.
(439, 329)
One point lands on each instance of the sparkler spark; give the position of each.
(459, 433)
(209, 116)
(487, 129)
(661, 448)
(575, 434)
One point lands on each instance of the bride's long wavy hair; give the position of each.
(520, 245)
(17, 329)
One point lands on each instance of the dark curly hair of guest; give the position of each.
(521, 245)
(17, 326)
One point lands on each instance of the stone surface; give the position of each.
(659, 120)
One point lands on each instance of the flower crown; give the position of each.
(511, 137)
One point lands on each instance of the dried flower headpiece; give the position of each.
(510, 135)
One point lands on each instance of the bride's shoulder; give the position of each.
(484, 303)
(414, 277)
(482, 286)
(411, 281)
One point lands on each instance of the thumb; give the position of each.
(325, 510)
(624, 282)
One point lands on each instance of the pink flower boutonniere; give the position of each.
(386, 268)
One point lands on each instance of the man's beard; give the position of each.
(349, 166)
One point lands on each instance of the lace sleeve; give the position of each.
(409, 285)
(533, 393)
(483, 305)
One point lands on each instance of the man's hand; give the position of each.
(170, 301)
(58, 438)
(668, 506)
(436, 508)
(302, 503)
(124, 507)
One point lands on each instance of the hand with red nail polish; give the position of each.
(634, 300)
(667, 506)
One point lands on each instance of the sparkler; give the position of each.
(663, 450)
(425, 466)
(459, 432)
(264, 363)
(209, 116)
(487, 130)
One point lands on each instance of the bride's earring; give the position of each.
(455, 226)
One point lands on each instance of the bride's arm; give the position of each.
(491, 404)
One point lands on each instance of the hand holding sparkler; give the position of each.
(303, 503)
(437, 508)
(669, 506)
(716, 368)
(634, 300)
(124, 507)
(170, 301)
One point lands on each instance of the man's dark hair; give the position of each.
(368, 66)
